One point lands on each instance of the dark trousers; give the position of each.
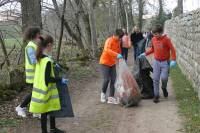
(136, 52)
(109, 76)
(27, 98)
(125, 53)
(44, 122)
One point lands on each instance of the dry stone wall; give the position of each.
(184, 31)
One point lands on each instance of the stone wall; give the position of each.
(184, 31)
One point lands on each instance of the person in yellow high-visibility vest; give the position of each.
(31, 35)
(45, 97)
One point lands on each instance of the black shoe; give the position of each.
(165, 93)
(156, 99)
(56, 130)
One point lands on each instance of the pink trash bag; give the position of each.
(126, 87)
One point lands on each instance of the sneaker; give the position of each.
(37, 116)
(56, 130)
(103, 97)
(112, 100)
(165, 93)
(20, 111)
(156, 99)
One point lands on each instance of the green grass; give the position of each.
(9, 122)
(189, 104)
(11, 41)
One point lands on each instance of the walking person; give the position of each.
(45, 97)
(136, 37)
(126, 44)
(108, 60)
(163, 49)
(31, 35)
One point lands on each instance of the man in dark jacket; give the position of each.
(136, 37)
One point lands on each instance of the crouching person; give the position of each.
(45, 97)
(108, 59)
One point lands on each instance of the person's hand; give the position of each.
(65, 81)
(119, 56)
(57, 66)
(142, 55)
(172, 64)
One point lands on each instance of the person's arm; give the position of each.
(150, 51)
(31, 54)
(108, 49)
(173, 51)
(48, 78)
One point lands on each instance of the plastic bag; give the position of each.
(127, 90)
(141, 73)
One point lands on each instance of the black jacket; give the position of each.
(136, 37)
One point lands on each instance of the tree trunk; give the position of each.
(130, 16)
(3, 47)
(86, 20)
(93, 28)
(31, 13)
(141, 10)
(160, 8)
(180, 6)
(31, 16)
(61, 30)
(122, 14)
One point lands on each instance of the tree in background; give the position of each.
(179, 8)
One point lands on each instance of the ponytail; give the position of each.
(44, 41)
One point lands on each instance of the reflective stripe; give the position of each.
(33, 99)
(42, 91)
(30, 70)
(29, 77)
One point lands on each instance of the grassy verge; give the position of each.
(189, 104)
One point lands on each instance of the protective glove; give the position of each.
(119, 56)
(172, 64)
(65, 81)
(142, 55)
(57, 66)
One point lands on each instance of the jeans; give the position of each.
(136, 52)
(160, 70)
(125, 53)
(109, 76)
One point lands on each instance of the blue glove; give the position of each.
(119, 56)
(172, 64)
(57, 66)
(142, 55)
(65, 81)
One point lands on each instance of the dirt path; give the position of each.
(94, 117)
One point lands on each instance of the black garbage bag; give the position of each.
(65, 100)
(141, 71)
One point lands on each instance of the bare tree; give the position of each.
(3, 47)
(93, 27)
(61, 30)
(160, 8)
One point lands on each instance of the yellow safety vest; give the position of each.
(44, 98)
(29, 68)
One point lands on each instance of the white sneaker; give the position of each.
(20, 111)
(112, 100)
(37, 116)
(103, 97)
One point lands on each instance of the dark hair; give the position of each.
(44, 41)
(119, 33)
(30, 33)
(157, 29)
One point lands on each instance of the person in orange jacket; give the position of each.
(108, 60)
(164, 59)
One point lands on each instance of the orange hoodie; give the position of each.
(161, 47)
(110, 51)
